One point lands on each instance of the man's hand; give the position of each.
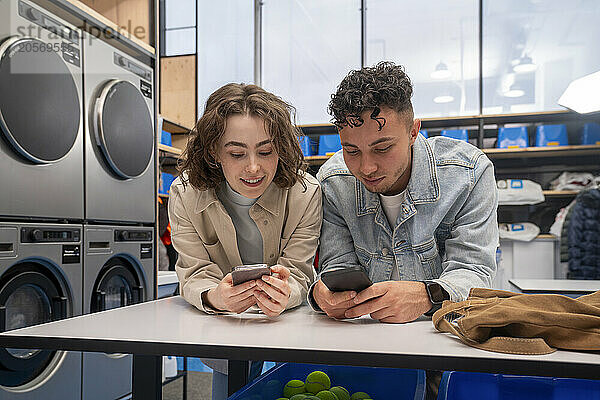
(227, 297)
(334, 304)
(272, 292)
(391, 301)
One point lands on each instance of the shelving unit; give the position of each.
(516, 154)
(169, 150)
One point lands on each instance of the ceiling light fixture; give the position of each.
(514, 90)
(445, 98)
(524, 64)
(441, 71)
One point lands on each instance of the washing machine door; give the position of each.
(123, 128)
(30, 294)
(40, 108)
(117, 285)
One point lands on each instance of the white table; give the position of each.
(172, 326)
(567, 287)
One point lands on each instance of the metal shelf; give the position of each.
(560, 193)
(531, 152)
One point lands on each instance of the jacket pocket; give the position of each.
(428, 255)
(364, 257)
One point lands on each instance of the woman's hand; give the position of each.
(227, 297)
(272, 293)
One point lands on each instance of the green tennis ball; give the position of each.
(326, 395)
(299, 396)
(360, 396)
(295, 386)
(340, 392)
(311, 397)
(317, 381)
(282, 398)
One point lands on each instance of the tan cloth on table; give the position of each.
(516, 323)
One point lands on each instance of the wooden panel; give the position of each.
(132, 16)
(178, 89)
(179, 141)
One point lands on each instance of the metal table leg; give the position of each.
(147, 377)
(237, 375)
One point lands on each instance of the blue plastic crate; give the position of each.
(308, 146)
(166, 180)
(165, 138)
(459, 134)
(590, 134)
(512, 137)
(424, 133)
(329, 144)
(469, 385)
(380, 383)
(551, 135)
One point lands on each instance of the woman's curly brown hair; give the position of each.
(198, 159)
(368, 89)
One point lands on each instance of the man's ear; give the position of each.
(414, 130)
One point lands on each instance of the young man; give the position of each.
(418, 215)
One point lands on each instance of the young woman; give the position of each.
(243, 197)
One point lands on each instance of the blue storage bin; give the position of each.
(308, 146)
(471, 385)
(424, 133)
(380, 383)
(460, 134)
(165, 138)
(551, 135)
(509, 138)
(590, 133)
(329, 144)
(166, 180)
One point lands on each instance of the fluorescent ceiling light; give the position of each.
(524, 64)
(582, 95)
(443, 99)
(441, 71)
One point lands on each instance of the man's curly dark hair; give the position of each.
(369, 89)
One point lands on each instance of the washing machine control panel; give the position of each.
(132, 67)
(124, 235)
(47, 235)
(68, 48)
(39, 18)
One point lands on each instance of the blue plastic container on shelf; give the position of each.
(473, 385)
(308, 146)
(551, 135)
(424, 133)
(460, 134)
(590, 134)
(165, 138)
(509, 138)
(166, 180)
(329, 144)
(380, 383)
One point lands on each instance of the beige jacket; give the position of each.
(203, 234)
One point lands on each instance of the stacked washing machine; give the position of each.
(41, 190)
(120, 199)
(77, 196)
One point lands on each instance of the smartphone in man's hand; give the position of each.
(341, 279)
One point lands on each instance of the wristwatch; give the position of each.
(437, 294)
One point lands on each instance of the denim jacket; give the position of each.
(447, 230)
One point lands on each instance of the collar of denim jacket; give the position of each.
(423, 186)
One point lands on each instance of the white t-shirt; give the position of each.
(392, 205)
